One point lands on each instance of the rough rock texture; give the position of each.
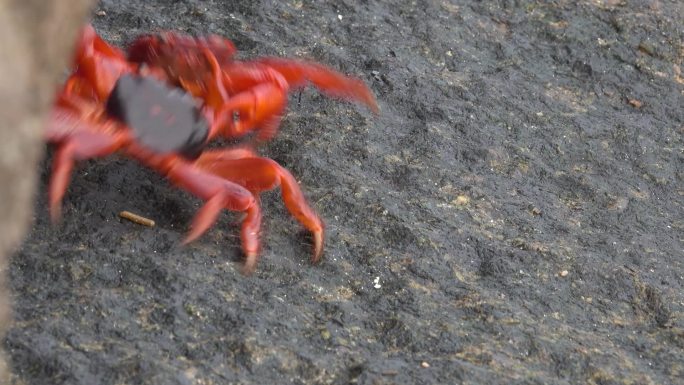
(514, 216)
(35, 37)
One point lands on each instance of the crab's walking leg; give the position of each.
(219, 194)
(299, 73)
(76, 146)
(260, 174)
(98, 62)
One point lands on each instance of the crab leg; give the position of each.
(259, 174)
(90, 42)
(299, 73)
(218, 194)
(77, 146)
(99, 63)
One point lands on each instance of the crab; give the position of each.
(145, 111)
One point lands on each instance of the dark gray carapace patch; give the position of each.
(163, 119)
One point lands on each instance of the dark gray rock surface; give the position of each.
(513, 216)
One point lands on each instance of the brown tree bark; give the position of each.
(36, 37)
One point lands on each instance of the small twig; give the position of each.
(137, 218)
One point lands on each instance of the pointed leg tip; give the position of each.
(247, 270)
(373, 105)
(318, 246)
(55, 214)
(189, 238)
(249, 266)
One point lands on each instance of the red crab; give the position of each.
(112, 104)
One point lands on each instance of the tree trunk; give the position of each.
(36, 37)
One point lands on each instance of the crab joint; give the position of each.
(137, 218)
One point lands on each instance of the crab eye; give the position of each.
(236, 116)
